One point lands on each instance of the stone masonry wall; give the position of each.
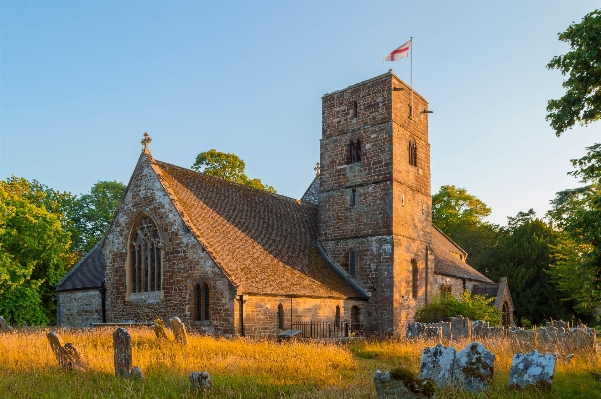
(79, 308)
(457, 285)
(185, 263)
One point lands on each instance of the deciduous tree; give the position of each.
(581, 102)
(227, 166)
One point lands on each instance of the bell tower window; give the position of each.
(146, 257)
(412, 149)
(354, 151)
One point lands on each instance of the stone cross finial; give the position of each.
(145, 142)
(316, 168)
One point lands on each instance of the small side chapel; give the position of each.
(358, 252)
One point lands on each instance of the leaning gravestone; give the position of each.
(437, 364)
(4, 327)
(159, 329)
(123, 355)
(531, 368)
(179, 331)
(201, 380)
(401, 384)
(473, 367)
(67, 356)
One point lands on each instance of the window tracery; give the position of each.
(146, 257)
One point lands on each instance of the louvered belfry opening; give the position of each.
(354, 150)
(146, 257)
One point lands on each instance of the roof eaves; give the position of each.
(450, 240)
(79, 264)
(340, 272)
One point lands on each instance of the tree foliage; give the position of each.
(581, 102)
(461, 215)
(34, 253)
(227, 166)
(475, 307)
(577, 212)
(524, 253)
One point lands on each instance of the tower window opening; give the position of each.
(355, 109)
(414, 278)
(352, 261)
(412, 150)
(354, 149)
(353, 197)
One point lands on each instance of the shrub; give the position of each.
(474, 307)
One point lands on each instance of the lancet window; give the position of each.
(146, 257)
(354, 150)
(412, 153)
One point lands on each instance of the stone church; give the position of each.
(358, 250)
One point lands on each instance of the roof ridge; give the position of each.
(229, 182)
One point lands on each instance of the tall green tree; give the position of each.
(581, 102)
(461, 216)
(524, 253)
(577, 212)
(34, 253)
(227, 166)
(93, 212)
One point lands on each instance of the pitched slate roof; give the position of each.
(489, 290)
(88, 273)
(265, 243)
(310, 196)
(448, 264)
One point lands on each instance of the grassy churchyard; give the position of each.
(243, 368)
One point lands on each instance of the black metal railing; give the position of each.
(327, 329)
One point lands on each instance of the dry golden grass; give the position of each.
(243, 368)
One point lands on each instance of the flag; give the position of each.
(398, 53)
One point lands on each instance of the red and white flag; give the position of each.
(398, 53)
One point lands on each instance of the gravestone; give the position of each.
(159, 329)
(460, 327)
(558, 324)
(122, 352)
(289, 335)
(531, 368)
(389, 388)
(521, 338)
(4, 327)
(434, 333)
(415, 330)
(67, 356)
(552, 337)
(201, 380)
(473, 367)
(437, 364)
(478, 328)
(445, 329)
(179, 331)
(494, 333)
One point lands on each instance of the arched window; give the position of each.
(355, 109)
(198, 302)
(506, 315)
(281, 316)
(354, 151)
(206, 307)
(358, 150)
(146, 257)
(414, 278)
(337, 319)
(412, 150)
(352, 263)
(352, 154)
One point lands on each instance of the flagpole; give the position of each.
(411, 40)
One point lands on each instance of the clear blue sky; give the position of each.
(80, 82)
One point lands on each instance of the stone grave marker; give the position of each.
(179, 331)
(460, 327)
(531, 368)
(4, 327)
(67, 356)
(479, 327)
(437, 364)
(434, 333)
(473, 367)
(159, 329)
(123, 355)
(201, 380)
(415, 330)
(582, 338)
(401, 384)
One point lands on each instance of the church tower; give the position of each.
(375, 204)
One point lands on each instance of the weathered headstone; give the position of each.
(4, 327)
(521, 339)
(473, 367)
(159, 329)
(201, 380)
(582, 338)
(445, 329)
(551, 337)
(460, 327)
(122, 352)
(415, 330)
(494, 333)
(179, 331)
(434, 333)
(478, 328)
(437, 364)
(531, 368)
(558, 324)
(67, 356)
(388, 387)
